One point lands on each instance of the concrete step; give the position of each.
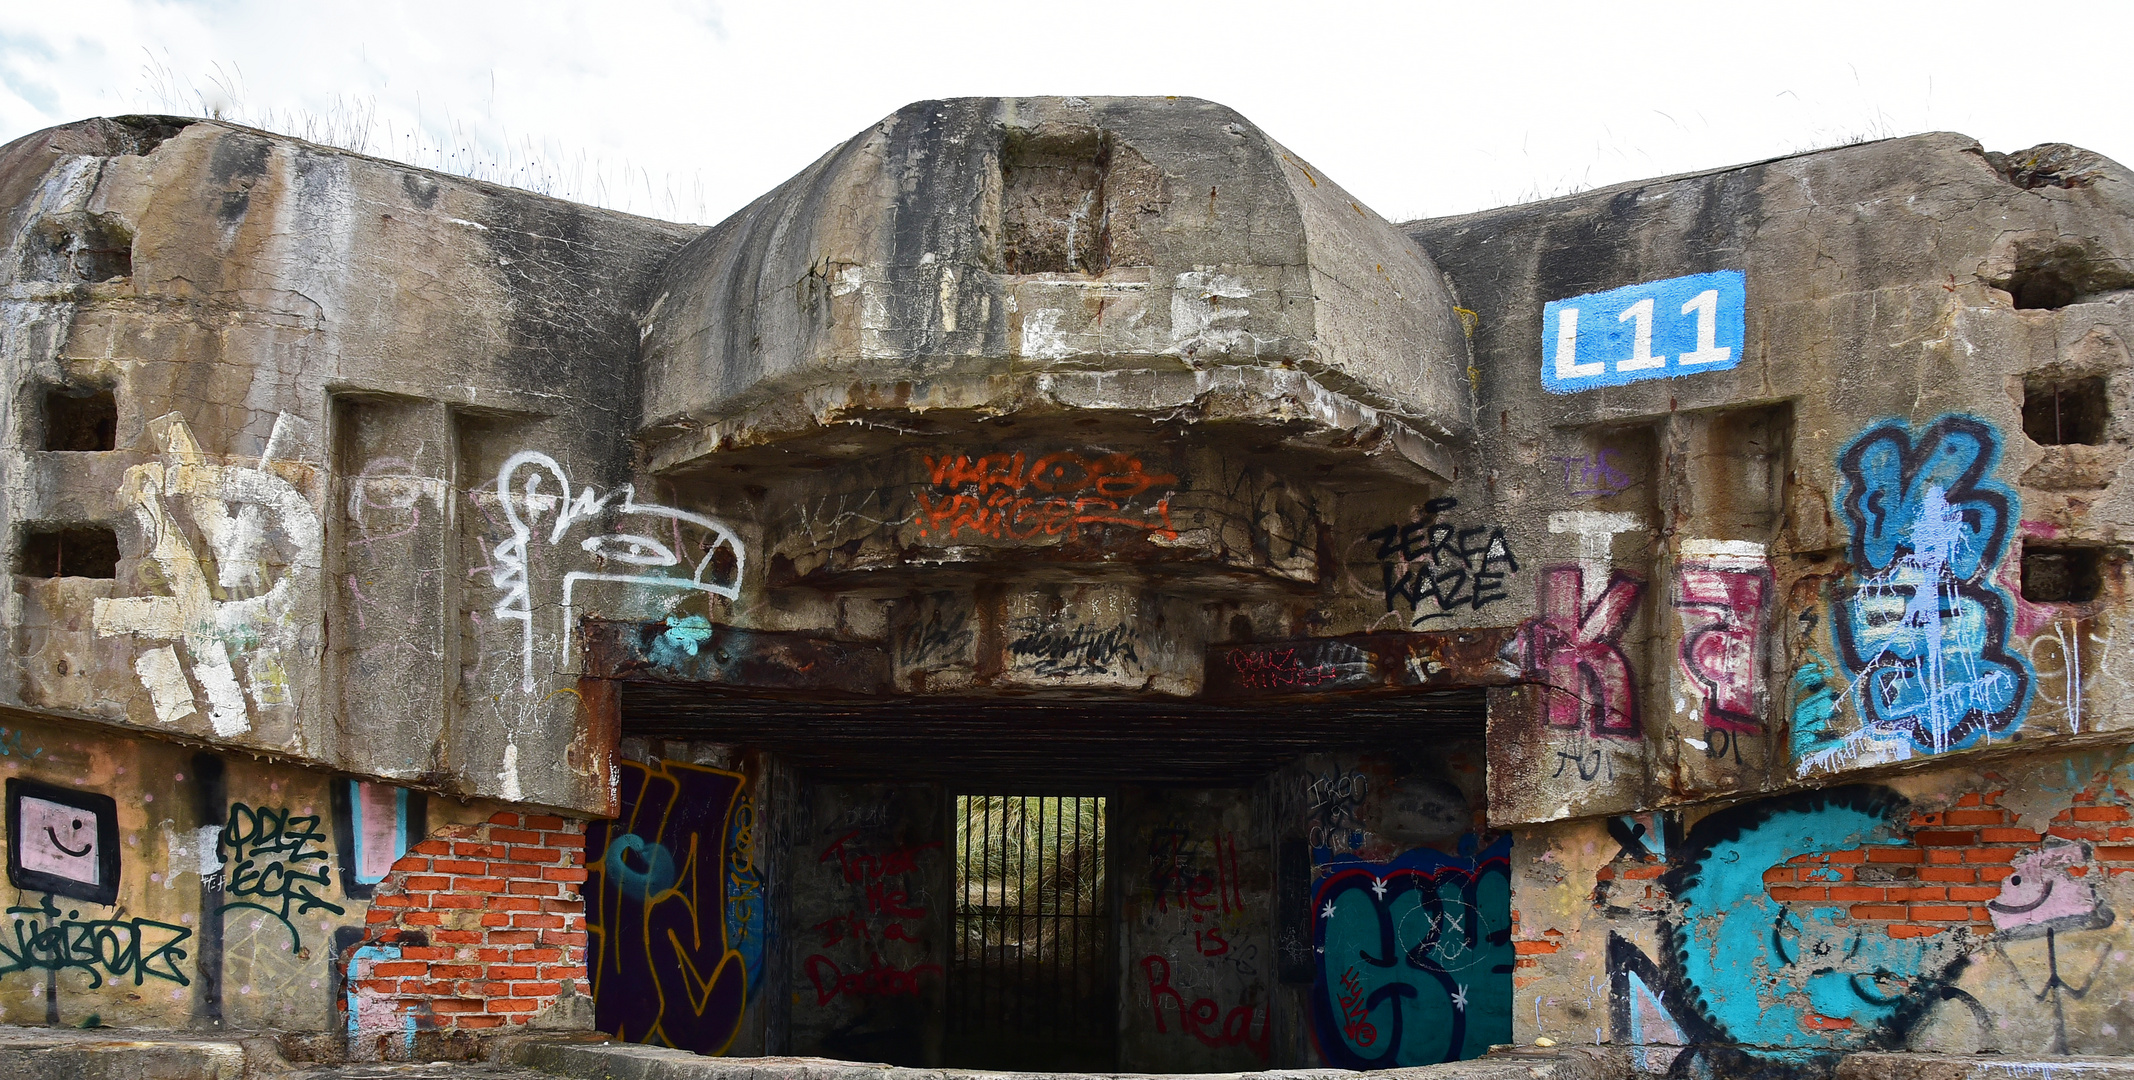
(69, 1054)
(1981, 1067)
(629, 1061)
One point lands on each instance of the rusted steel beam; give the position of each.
(695, 651)
(1361, 663)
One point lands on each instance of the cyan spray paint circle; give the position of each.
(639, 867)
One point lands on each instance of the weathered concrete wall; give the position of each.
(1005, 254)
(1790, 494)
(1722, 559)
(1195, 948)
(1963, 909)
(1839, 556)
(160, 886)
(320, 366)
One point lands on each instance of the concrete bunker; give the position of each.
(1659, 590)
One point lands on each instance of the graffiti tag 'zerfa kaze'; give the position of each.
(1923, 629)
(1414, 958)
(1444, 566)
(1652, 330)
(656, 555)
(253, 527)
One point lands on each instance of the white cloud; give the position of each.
(678, 108)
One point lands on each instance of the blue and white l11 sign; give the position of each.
(1653, 330)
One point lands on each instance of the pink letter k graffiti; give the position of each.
(1572, 649)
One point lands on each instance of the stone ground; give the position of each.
(436, 1070)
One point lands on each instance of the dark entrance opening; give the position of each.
(1084, 884)
(1029, 978)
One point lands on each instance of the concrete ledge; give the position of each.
(629, 1061)
(1981, 1067)
(34, 1054)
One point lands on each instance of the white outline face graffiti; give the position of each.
(652, 555)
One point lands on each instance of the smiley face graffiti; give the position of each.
(62, 841)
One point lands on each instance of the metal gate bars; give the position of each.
(1030, 981)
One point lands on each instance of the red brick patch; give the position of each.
(488, 921)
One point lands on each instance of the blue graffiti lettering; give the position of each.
(1923, 630)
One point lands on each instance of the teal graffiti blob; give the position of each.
(1815, 702)
(640, 868)
(683, 637)
(1414, 957)
(1772, 976)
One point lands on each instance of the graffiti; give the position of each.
(746, 912)
(1014, 496)
(877, 979)
(1204, 1019)
(374, 825)
(857, 868)
(2045, 898)
(1814, 693)
(1415, 957)
(1726, 919)
(1751, 977)
(2044, 895)
(1447, 567)
(1592, 762)
(1574, 649)
(1721, 589)
(944, 632)
(1285, 669)
(667, 967)
(1594, 474)
(1314, 665)
(1177, 881)
(1053, 650)
(669, 543)
(1923, 633)
(1332, 801)
(253, 527)
(11, 745)
(271, 849)
(62, 841)
(43, 941)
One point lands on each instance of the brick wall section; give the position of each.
(1952, 863)
(1939, 878)
(489, 925)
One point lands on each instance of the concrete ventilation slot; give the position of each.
(2050, 278)
(1052, 204)
(79, 420)
(2062, 575)
(79, 248)
(56, 551)
(2060, 412)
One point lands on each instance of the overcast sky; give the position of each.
(688, 109)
